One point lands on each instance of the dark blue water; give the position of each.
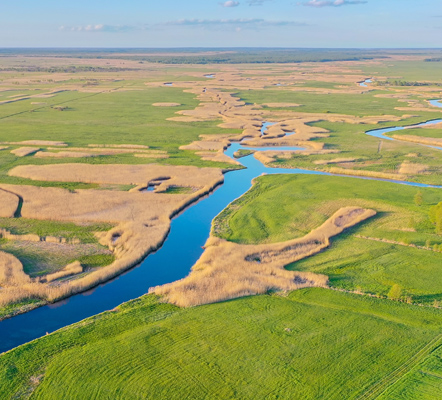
(182, 248)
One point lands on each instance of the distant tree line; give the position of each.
(406, 83)
(67, 69)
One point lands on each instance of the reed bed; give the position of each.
(8, 204)
(408, 168)
(24, 151)
(143, 224)
(228, 270)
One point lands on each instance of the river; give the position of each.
(173, 261)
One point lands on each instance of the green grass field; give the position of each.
(283, 207)
(307, 344)
(338, 103)
(313, 344)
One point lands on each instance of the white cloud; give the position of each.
(333, 3)
(97, 28)
(230, 3)
(256, 2)
(241, 23)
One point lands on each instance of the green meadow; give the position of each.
(311, 344)
(397, 247)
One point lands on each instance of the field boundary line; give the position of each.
(381, 386)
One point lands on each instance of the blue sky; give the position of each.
(212, 23)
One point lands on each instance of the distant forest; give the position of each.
(225, 55)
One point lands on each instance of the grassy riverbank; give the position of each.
(300, 346)
(386, 251)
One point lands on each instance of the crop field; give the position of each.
(260, 346)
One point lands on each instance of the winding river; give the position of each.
(173, 261)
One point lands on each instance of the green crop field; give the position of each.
(313, 344)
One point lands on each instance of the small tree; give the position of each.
(395, 292)
(419, 199)
(436, 217)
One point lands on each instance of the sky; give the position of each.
(213, 23)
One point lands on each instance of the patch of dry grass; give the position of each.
(419, 139)
(8, 203)
(359, 172)
(143, 219)
(121, 174)
(25, 151)
(408, 168)
(335, 161)
(228, 270)
(166, 104)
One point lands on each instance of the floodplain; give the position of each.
(335, 252)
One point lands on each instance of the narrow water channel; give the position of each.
(173, 261)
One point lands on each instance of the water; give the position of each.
(436, 103)
(364, 84)
(182, 248)
(168, 84)
(380, 133)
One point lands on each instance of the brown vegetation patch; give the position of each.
(359, 172)
(11, 271)
(120, 174)
(121, 146)
(227, 270)
(64, 154)
(25, 151)
(39, 143)
(166, 104)
(335, 161)
(8, 203)
(70, 269)
(143, 219)
(408, 168)
(281, 105)
(428, 141)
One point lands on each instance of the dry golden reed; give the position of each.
(228, 270)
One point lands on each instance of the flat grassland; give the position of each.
(397, 247)
(313, 344)
(379, 341)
